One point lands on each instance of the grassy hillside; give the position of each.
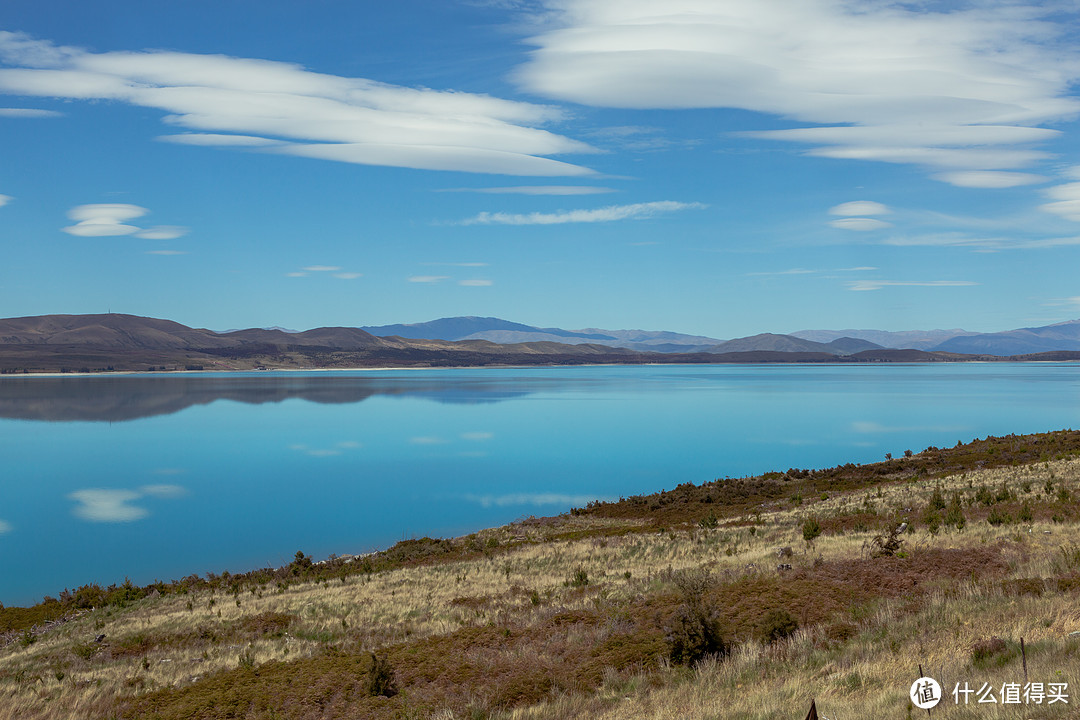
(674, 605)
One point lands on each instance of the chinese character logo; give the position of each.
(925, 693)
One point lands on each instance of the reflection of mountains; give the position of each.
(113, 399)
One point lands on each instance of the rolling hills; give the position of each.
(113, 342)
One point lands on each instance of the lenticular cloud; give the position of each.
(955, 91)
(279, 107)
(103, 220)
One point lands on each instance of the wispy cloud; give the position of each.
(29, 113)
(283, 108)
(5, 199)
(990, 179)
(114, 505)
(163, 491)
(637, 211)
(1070, 302)
(5, 527)
(638, 138)
(859, 207)
(166, 252)
(428, 278)
(477, 436)
(325, 452)
(859, 224)
(952, 88)
(538, 190)
(326, 270)
(792, 271)
(979, 242)
(864, 285)
(1066, 201)
(111, 220)
(162, 232)
(476, 283)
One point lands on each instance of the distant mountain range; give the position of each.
(504, 331)
(80, 343)
(1059, 337)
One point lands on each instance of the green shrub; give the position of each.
(1025, 515)
(580, 578)
(381, 677)
(777, 625)
(954, 513)
(931, 518)
(694, 635)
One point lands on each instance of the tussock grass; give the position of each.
(576, 616)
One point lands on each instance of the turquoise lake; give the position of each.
(161, 476)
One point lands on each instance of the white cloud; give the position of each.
(458, 264)
(111, 505)
(163, 491)
(611, 213)
(859, 207)
(104, 219)
(162, 232)
(98, 505)
(326, 452)
(864, 285)
(166, 252)
(955, 89)
(110, 220)
(979, 243)
(5, 199)
(989, 178)
(348, 275)
(477, 436)
(859, 224)
(283, 108)
(476, 283)
(539, 190)
(1073, 302)
(322, 268)
(28, 113)
(296, 274)
(215, 140)
(5, 527)
(1066, 201)
(428, 278)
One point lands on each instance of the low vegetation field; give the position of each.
(741, 598)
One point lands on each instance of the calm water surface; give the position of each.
(158, 477)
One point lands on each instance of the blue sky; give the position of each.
(710, 167)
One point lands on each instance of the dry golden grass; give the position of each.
(858, 660)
